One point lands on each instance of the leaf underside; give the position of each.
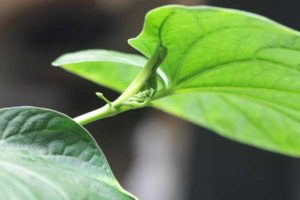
(46, 155)
(233, 72)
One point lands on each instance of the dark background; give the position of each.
(33, 33)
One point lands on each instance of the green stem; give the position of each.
(135, 86)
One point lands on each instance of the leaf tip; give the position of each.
(56, 62)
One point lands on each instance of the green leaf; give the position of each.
(109, 68)
(112, 69)
(231, 71)
(46, 155)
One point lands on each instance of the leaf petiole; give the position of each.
(115, 107)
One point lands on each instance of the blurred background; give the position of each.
(154, 155)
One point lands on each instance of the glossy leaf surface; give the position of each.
(46, 155)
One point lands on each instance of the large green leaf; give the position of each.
(234, 72)
(46, 155)
(231, 71)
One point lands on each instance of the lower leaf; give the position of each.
(46, 155)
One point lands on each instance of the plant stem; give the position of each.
(135, 86)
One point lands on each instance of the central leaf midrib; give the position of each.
(217, 67)
(45, 157)
(260, 101)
